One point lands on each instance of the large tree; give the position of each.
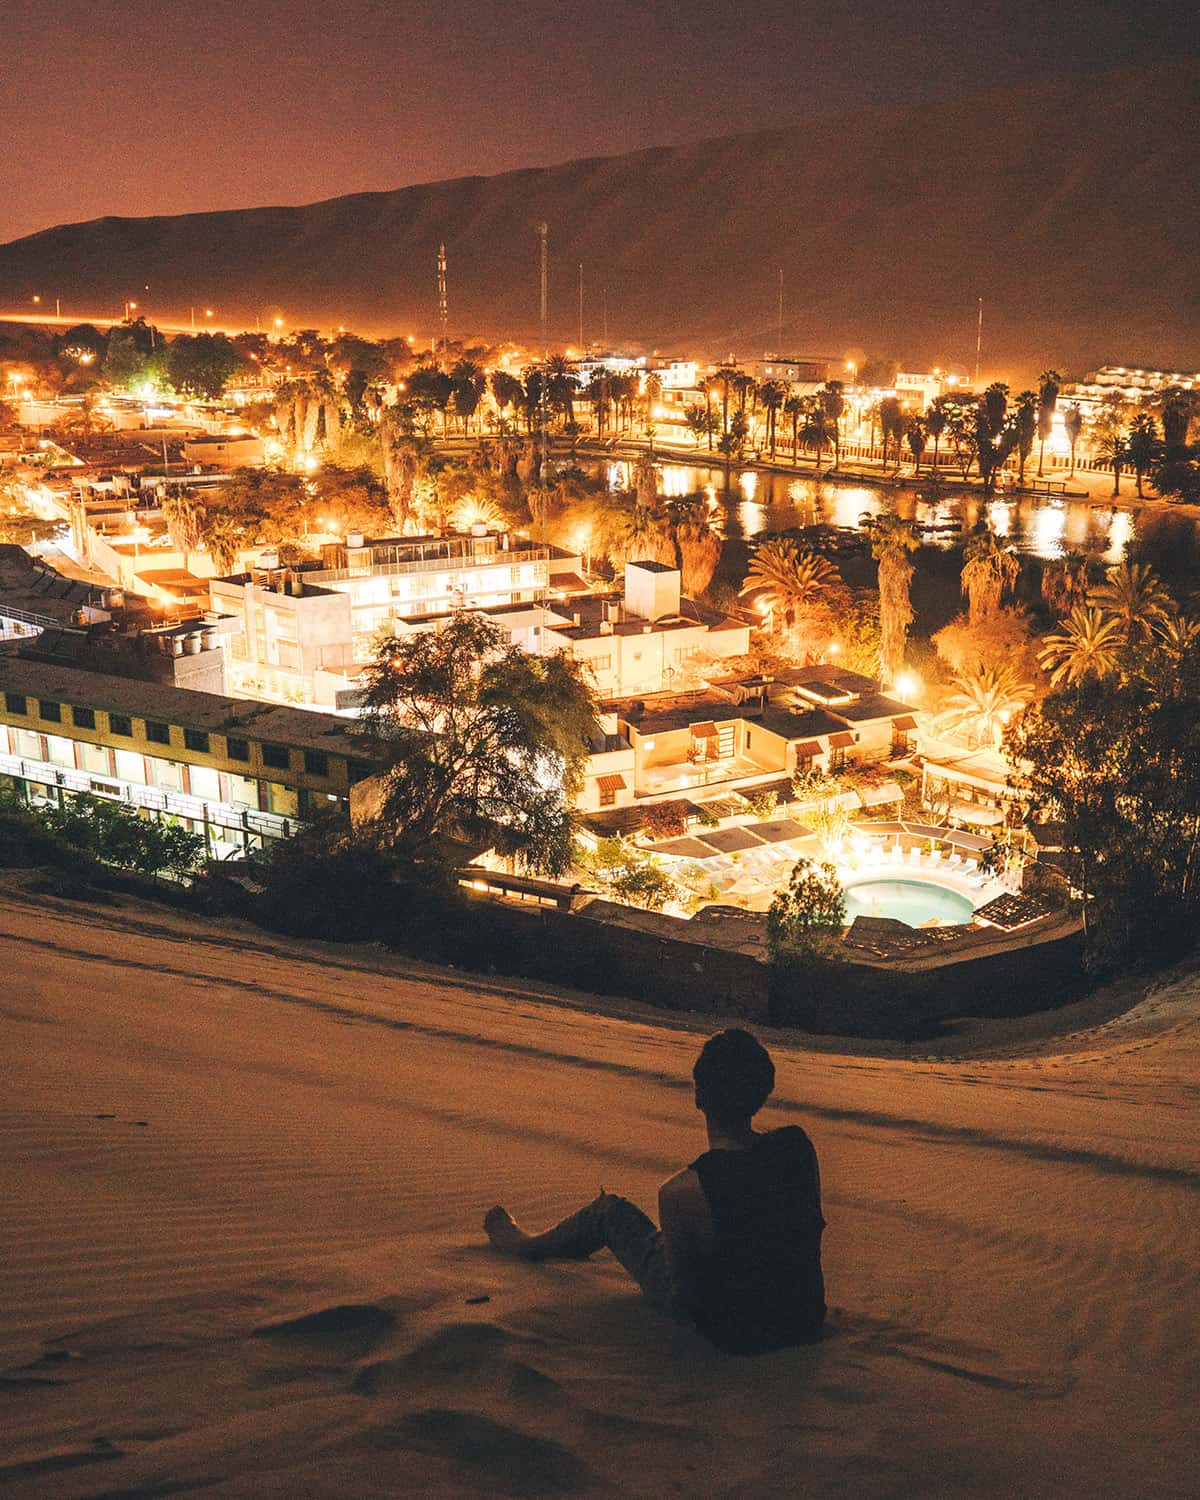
(1117, 762)
(1088, 645)
(788, 579)
(481, 741)
(892, 540)
(1049, 385)
(989, 572)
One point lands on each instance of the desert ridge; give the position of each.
(242, 1255)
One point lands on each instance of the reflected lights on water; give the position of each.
(1120, 534)
(1046, 533)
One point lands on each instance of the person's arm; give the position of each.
(687, 1231)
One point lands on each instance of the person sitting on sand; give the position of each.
(739, 1253)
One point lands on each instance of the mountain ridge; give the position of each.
(1065, 205)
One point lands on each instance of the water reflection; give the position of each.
(1046, 533)
(746, 502)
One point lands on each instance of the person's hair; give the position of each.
(734, 1076)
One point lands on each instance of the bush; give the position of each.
(665, 820)
(810, 911)
(762, 804)
(643, 885)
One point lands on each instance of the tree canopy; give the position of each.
(482, 743)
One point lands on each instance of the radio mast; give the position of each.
(443, 305)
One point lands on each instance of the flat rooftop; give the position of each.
(295, 727)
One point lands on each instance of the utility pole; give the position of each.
(581, 307)
(779, 339)
(543, 230)
(978, 342)
(443, 305)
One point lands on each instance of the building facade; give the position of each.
(240, 774)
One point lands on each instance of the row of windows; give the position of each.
(277, 757)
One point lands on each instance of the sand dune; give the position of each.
(240, 1252)
(1067, 206)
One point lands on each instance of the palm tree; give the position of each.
(1065, 583)
(989, 571)
(772, 394)
(598, 393)
(1113, 454)
(507, 392)
(1025, 420)
(916, 441)
(1142, 448)
(1177, 634)
(1073, 422)
(698, 545)
(935, 424)
(815, 432)
(222, 536)
(1089, 645)
(892, 539)
(834, 404)
(789, 578)
(1133, 595)
(1049, 385)
(793, 407)
(184, 517)
(984, 703)
(891, 424)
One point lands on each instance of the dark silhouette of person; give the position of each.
(739, 1252)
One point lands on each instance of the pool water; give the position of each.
(913, 901)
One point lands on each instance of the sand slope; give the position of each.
(1068, 206)
(239, 1251)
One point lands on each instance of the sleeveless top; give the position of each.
(761, 1287)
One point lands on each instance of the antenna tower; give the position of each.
(543, 230)
(443, 305)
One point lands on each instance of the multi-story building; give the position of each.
(394, 579)
(289, 640)
(743, 733)
(236, 772)
(642, 642)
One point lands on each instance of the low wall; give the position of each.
(853, 999)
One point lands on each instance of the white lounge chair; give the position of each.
(954, 862)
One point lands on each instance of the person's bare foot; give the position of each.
(505, 1233)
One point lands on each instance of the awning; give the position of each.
(888, 791)
(955, 837)
(611, 783)
(904, 724)
(806, 749)
(842, 740)
(731, 840)
(705, 731)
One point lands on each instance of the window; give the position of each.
(159, 734)
(607, 797)
(196, 739)
(837, 759)
(50, 711)
(276, 757)
(237, 749)
(602, 663)
(85, 718)
(316, 763)
(120, 724)
(16, 703)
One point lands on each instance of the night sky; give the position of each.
(159, 106)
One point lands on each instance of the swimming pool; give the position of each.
(913, 901)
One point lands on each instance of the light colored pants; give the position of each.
(613, 1223)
